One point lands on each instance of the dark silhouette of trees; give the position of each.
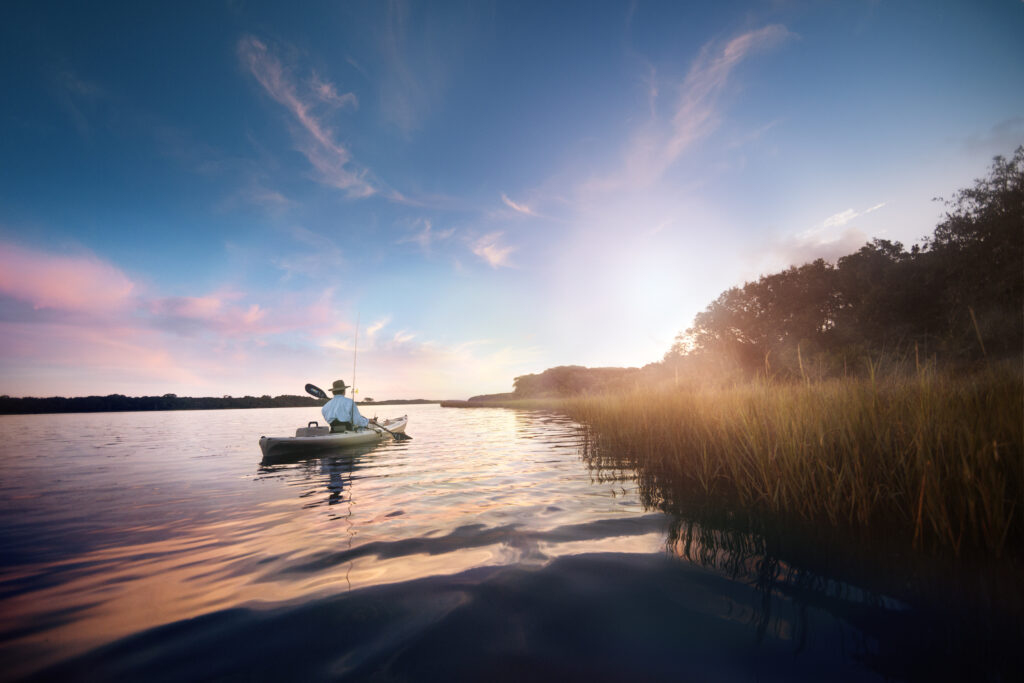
(779, 314)
(119, 402)
(979, 248)
(569, 380)
(959, 296)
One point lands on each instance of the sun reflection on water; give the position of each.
(169, 532)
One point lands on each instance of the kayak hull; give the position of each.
(275, 447)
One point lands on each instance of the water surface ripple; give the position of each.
(156, 546)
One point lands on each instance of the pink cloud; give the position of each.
(102, 336)
(199, 307)
(67, 283)
(67, 360)
(492, 251)
(222, 315)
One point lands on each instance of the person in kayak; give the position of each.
(341, 412)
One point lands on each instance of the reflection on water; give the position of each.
(911, 616)
(154, 545)
(114, 523)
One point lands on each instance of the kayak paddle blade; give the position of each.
(314, 390)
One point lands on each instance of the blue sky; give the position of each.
(209, 198)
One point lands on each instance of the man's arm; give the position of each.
(358, 420)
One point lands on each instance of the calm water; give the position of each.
(155, 546)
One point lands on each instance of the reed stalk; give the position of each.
(933, 458)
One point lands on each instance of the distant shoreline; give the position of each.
(117, 403)
(525, 403)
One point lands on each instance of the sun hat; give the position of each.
(339, 386)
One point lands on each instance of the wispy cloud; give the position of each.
(266, 196)
(426, 237)
(403, 337)
(696, 113)
(358, 67)
(402, 93)
(326, 92)
(377, 326)
(805, 247)
(516, 206)
(191, 315)
(318, 256)
(843, 217)
(490, 249)
(753, 135)
(830, 240)
(658, 144)
(331, 159)
(419, 47)
(79, 98)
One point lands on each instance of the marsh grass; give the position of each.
(932, 460)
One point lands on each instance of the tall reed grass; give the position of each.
(934, 458)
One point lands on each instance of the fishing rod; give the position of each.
(355, 354)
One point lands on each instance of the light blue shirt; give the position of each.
(343, 409)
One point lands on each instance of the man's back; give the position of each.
(343, 409)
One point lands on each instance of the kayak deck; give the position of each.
(278, 446)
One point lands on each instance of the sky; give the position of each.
(236, 198)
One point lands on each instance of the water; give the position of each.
(155, 546)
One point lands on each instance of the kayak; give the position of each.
(314, 438)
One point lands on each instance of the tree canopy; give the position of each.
(959, 295)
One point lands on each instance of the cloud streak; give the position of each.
(659, 144)
(426, 237)
(842, 218)
(331, 159)
(696, 111)
(516, 206)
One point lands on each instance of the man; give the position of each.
(341, 412)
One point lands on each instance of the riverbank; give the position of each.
(934, 460)
(117, 403)
(521, 403)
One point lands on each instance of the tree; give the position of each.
(778, 314)
(961, 293)
(979, 246)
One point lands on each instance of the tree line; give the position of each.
(119, 402)
(956, 299)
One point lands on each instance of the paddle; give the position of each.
(399, 436)
(317, 392)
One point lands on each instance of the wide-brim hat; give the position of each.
(339, 386)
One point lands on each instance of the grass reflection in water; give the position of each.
(912, 615)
